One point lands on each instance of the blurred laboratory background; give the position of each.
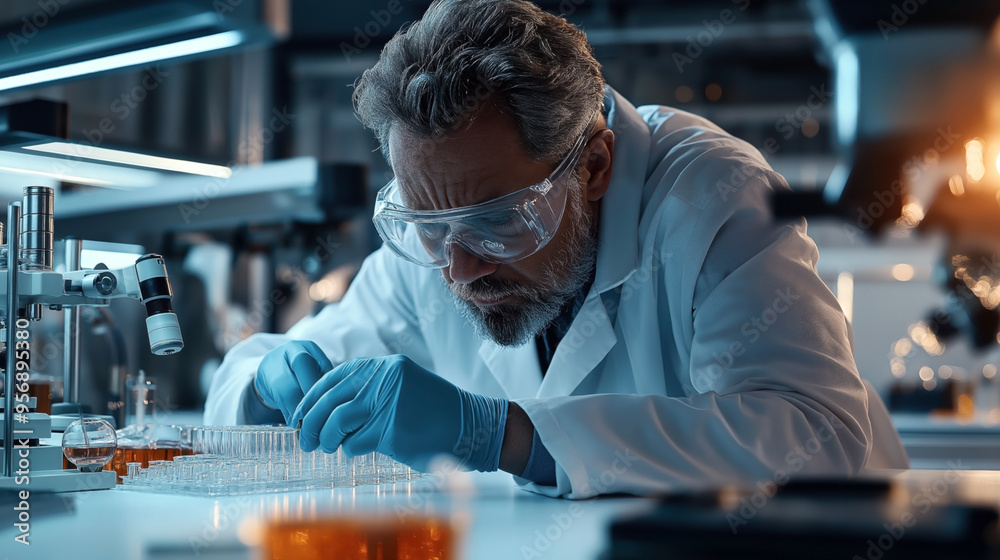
(884, 117)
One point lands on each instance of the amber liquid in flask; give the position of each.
(138, 454)
(84, 456)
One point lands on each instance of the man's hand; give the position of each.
(287, 372)
(394, 406)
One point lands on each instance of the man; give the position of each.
(590, 296)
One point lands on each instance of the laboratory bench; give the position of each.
(491, 518)
(932, 441)
(488, 516)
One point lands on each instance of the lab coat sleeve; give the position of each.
(775, 392)
(375, 318)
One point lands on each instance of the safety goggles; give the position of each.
(503, 230)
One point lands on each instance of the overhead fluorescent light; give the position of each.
(847, 91)
(78, 171)
(60, 176)
(131, 158)
(177, 49)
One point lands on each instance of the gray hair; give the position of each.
(467, 54)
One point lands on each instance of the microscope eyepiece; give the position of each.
(154, 290)
(36, 229)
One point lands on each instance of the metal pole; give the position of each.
(36, 236)
(13, 225)
(71, 331)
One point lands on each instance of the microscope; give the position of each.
(917, 104)
(917, 116)
(29, 284)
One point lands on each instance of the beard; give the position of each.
(534, 306)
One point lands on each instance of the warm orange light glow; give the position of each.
(902, 272)
(912, 213)
(358, 537)
(922, 335)
(845, 294)
(957, 186)
(683, 94)
(320, 290)
(902, 347)
(713, 91)
(975, 166)
(965, 407)
(810, 128)
(898, 367)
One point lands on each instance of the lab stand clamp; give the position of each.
(27, 283)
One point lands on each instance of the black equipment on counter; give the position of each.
(814, 519)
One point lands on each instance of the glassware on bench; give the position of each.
(89, 443)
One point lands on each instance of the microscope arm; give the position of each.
(145, 281)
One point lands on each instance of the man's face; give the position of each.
(509, 303)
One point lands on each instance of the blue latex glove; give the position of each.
(287, 372)
(394, 406)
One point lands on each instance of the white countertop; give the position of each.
(932, 441)
(493, 518)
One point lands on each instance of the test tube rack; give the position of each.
(229, 461)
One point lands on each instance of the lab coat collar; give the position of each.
(590, 338)
(617, 237)
(515, 369)
(591, 335)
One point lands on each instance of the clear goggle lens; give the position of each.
(503, 230)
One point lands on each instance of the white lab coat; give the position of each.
(708, 351)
